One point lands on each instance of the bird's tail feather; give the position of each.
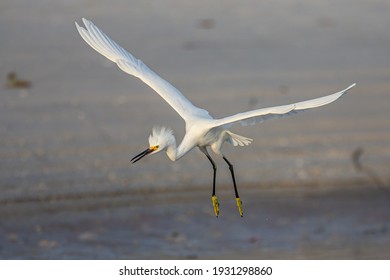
(238, 140)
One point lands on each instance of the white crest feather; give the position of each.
(160, 136)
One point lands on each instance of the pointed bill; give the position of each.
(144, 153)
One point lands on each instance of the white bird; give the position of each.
(202, 130)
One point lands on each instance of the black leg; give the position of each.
(233, 177)
(238, 200)
(215, 171)
(213, 196)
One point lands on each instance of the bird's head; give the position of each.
(161, 139)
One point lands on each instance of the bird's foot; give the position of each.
(239, 205)
(215, 205)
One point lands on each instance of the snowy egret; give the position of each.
(202, 130)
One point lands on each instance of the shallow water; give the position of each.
(278, 223)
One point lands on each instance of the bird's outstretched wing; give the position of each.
(261, 115)
(133, 66)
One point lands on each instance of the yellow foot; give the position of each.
(215, 205)
(239, 205)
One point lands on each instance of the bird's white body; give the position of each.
(202, 130)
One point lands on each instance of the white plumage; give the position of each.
(201, 129)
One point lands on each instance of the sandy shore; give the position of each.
(280, 222)
(313, 185)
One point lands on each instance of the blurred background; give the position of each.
(315, 185)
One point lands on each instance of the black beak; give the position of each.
(141, 155)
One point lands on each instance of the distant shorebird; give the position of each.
(202, 130)
(13, 82)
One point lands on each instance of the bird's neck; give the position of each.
(171, 149)
(173, 152)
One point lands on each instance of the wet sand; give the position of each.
(283, 222)
(313, 185)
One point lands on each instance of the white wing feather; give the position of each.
(261, 115)
(133, 66)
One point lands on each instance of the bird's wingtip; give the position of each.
(348, 88)
(86, 23)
